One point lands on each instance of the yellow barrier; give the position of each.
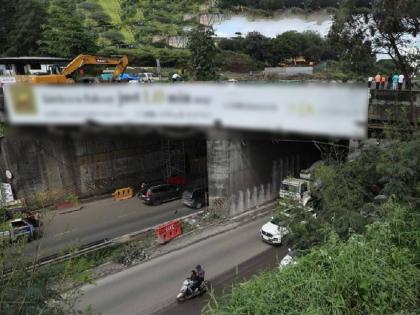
(123, 193)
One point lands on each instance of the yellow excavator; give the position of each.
(67, 74)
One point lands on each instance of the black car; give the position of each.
(195, 197)
(155, 195)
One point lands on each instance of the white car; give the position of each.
(273, 232)
(287, 260)
(147, 77)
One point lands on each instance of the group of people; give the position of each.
(392, 82)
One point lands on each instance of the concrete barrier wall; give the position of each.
(287, 71)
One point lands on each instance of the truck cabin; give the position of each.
(293, 188)
(12, 66)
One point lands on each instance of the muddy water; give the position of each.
(270, 27)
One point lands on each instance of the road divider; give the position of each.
(168, 231)
(176, 227)
(123, 194)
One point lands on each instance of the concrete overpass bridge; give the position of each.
(242, 166)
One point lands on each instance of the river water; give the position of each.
(271, 27)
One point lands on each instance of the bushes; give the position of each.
(272, 51)
(114, 36)
(237, 62)
(367, 274)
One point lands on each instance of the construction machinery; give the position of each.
(68, 74)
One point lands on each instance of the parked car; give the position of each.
(21, 228)
(147, 77)
(195, 197)
(155, 195)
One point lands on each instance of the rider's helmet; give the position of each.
(198, 267)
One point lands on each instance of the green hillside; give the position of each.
(138, 21)
(140, 28)
(113, 9)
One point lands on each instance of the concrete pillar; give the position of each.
(243, 174)
(218, 164)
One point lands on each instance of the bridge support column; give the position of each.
(245, 174)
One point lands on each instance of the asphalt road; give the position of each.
(152, 286)
(220, 285)
(102, 219)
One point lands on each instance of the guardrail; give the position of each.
(388, 105)
(93, 246)
(82, 250)
(104, 243)
(57, 258)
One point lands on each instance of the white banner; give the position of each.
(7, 79)
(331, 110)
(6, 193)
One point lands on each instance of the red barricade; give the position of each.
(168, 231)
(177, 181)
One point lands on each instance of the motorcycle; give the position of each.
(186, 294)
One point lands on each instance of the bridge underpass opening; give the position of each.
(245, 172)
(241, 170)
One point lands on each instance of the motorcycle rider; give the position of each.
(200, 273)
(142, 190)
(194, 280)
(200, 277)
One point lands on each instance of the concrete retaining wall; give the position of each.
(48, 166)
(286, 71)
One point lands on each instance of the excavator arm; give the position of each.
(66, 75)
(81, 60)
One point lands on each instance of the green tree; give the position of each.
(38, 290)
(353, 48)
(20, 27)
(258, 46)
(290, 44)
(114, 36)
(386, 26)
(64, 34)
(203, 54)
(25, 36)
(7, 13)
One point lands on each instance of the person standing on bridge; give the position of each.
(389, 86)
(378, 80)
(370, 80)
(400, 81)
(383, 82)
(394, 82)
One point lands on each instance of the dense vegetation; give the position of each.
(373, 273)
(37, 290)
(387, 27)
(359, 256)
(140, 29)
(134, 27)
(272, 51)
